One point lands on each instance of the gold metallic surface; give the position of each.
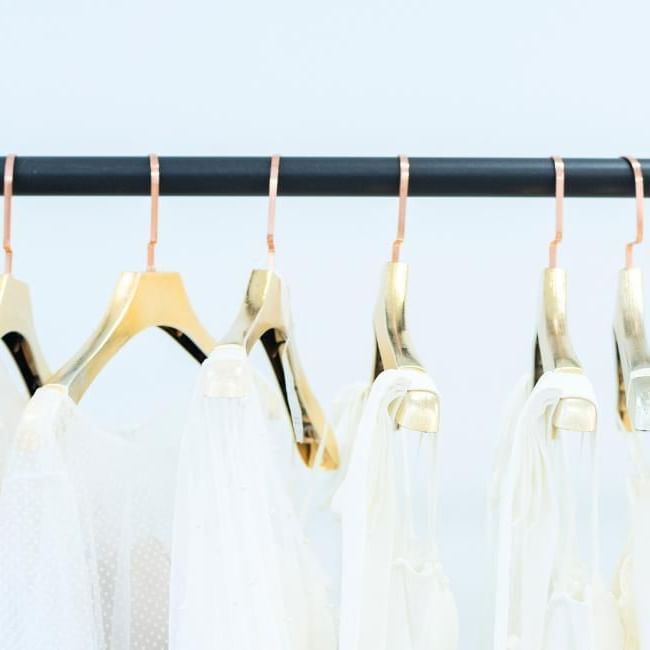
(553, 351)
(141, 300)
(419, 410)
(265, 316)
(18, 332)
(632, 356)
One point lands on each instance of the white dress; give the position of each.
(544, 599)
(632, 584)
(85, 531)
(243, 574)
(12, 403)
(394, 593)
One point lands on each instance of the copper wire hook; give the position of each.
(8, 194)
(639, 199)
(154, 165)
(404, 170)
(559, 211)
(273, 195)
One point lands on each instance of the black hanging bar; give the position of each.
(329, 176)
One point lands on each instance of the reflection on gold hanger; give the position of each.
(553, 348)
(418, 410)
(141, 300)
(632, 357)
(264, 316)
(16, 320)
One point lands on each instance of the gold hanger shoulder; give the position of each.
(260, 311)
(140, 301)
(632, 356)
(16, 319)
(419, 409)
(18, 332)
(264, 316)
(554, 351)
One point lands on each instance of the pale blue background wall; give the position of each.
(427, 78)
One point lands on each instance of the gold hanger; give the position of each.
(264, 315)
(418, 409)
(141, 300)
(553, 348)
(16, 320)
(632, 357)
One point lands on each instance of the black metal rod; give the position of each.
(232, 176)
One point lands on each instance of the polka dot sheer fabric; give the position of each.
(12, 403)
(85, 523)
(199, 532)
(243, 573)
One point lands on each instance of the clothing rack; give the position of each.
(327, 176)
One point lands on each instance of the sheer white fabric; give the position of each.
(543, 598)
(632, 585)
(12, 403)
(394, 594)
(243, 574)
(312, 488)
(85, 532)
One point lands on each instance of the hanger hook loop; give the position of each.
(639, 198)
(559, 211)
(404, 172)
(8, 195)
(273, 195)
(154, 165)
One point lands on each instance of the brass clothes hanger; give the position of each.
(16, 319)
(140, 301)
(553, 348)
(418, 409)
(264, 316)
(632, 356)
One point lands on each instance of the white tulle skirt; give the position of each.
(394, 593)
(243, 574)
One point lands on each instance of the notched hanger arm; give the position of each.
(264, 316)
(140, 301)
(19, 334)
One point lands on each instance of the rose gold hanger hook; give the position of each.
(273, 195)
(559, 211)
(404, 169)
(154, 165)
(639, 196)
(8, 194)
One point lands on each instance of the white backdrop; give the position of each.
(503, 78)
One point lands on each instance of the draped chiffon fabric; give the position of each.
(244, 575)
(545, 595)
(394, 592)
